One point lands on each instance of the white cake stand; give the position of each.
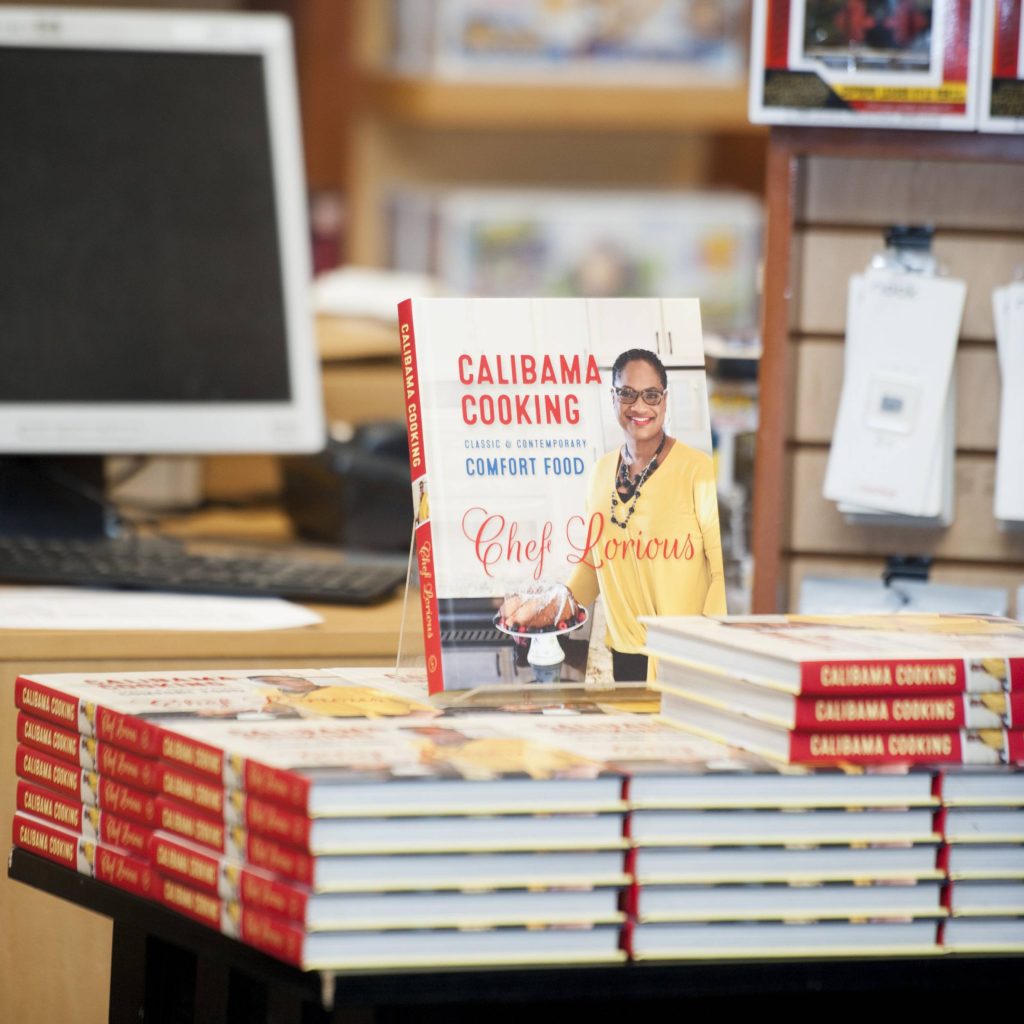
(545, 653)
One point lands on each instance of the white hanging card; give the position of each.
(886, 449)
(1008, 307)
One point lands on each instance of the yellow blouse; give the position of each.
(668, 559)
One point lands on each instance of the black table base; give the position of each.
(167, 969)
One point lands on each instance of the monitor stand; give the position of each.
(54, 496)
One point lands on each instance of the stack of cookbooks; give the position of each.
(327, 819)
(337, 819)
(983, 824)
(848, 689)
(784, 862)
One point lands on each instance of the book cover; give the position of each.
(850, 654)
(562, 482)
(858, 64)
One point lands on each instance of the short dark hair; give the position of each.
(643, 354)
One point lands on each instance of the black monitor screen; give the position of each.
(139, 257)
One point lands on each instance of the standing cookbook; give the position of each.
(562, 481)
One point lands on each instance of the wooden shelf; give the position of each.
(579, 105)
(347, 338)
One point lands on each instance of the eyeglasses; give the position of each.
(651, 396)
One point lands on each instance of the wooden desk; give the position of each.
(55, 958)
(170, 970)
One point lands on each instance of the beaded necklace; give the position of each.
(632, 490)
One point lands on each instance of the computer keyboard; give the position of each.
(158, 563)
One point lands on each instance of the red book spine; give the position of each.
(194, 904)
(57, 809)
(192, 755)
(277, 784)
(126, 802)
(126, 872)
(281, 859)
(918, 713)
(271, 935)
(203, 794)
(897, 677)
(228, 878)
(51, 704)
(74, 816)
(185, 863)
(124, 833)
(48, 841)
(898, 747)
(855, 714)
(101, 723)
(418, 466)
(87, 752)
(104, 863)
(262, 892)
(884, 676)
(182, 820)
(55, 774)
(626, 936)
(1015, 746)
(260, 930)
(235, 841)
(273, 821)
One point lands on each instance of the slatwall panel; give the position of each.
(840, 206)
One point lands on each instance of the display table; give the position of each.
(166, 968)
(55, 960)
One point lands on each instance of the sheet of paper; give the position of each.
(78, 608)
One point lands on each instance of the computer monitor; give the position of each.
(154, 248)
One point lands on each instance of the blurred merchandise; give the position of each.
(522, 242)
(624, 39)
(827, 596)
(368, 292)
(354, 493)
(326, 227)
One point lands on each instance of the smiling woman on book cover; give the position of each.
(659, 496)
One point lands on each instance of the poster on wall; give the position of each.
(865, 63)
